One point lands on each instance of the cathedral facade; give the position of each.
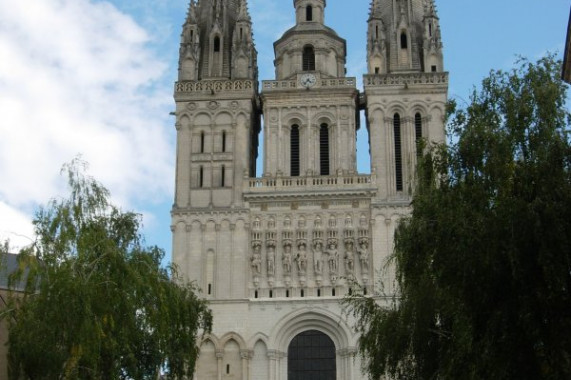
(275, 255)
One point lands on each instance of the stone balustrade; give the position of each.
(214, 86)
(400, 79)
(276, 85)
(272, 184)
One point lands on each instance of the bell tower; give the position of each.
(217, 123)
(406, 91)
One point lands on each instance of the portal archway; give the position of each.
(311, 356)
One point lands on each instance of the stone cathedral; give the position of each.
(275, 254)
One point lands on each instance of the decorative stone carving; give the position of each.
(349, 256)
(271, 261)
(318, 256)
(333, 258)
(363, 252)
(301, 257)
(256, 258)
(287, 257)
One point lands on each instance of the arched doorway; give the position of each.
(311, 356)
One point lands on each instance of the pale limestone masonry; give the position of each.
(274, 255)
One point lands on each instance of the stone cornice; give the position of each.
(215, 86)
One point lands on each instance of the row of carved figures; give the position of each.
(324, 255)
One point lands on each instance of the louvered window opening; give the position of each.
(308, 58)
(398, 153)
(324, 149)
(294, 146)
(418, 132)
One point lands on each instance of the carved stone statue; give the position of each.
(257, 259)
(286, 260)
(318, 256)
(271, 260)
(349, 256)
(363, 252)
(333, 256)
(301, 258)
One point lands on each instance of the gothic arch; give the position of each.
(324, 117)
(318, 319)
(202, 119)
(235, 337)
(256, 338)
(294, 118)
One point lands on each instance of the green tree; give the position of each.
(483, 264)
(98, 304)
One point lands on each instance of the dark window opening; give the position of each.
(256, 294)
(377, 70)
(209, 289)
(227, 369)
(318, 292)
(333, 292)
(398, 153)
(216, 44)
(430, 30)
(418, 133)
(271, 294)
(377, 32)
(223, 176)
(309, 13)
(433, 68)
(287, 293)
(294, 151)
(302, 293)
(192, 36)
(308, 58)
(350, 291)
(224, 141)
(365, 291)
(403, 41)
(241, 33)
(201, 142)
(201, 177)
(324, 149)
(311, 356)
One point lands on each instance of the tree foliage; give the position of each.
(483, 264)
(98, 304)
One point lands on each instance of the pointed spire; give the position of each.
(243, 14)
(191, 13)
(375, 9)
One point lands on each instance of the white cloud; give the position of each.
(78, 77)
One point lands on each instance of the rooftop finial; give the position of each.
(243, 14)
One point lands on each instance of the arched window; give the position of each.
(216, 44)
(324, 149)
(398, 152)
(294, 151)
(311, 355)
(223, 176)
(308, 13)
(403, 41)
(418, 133)
(308, 58)
(223, 141)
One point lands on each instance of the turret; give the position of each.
(309, 11)
(432, 40)
(189, 46)
(244, 56)
(377, 52)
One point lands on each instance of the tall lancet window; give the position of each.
(418, 133)
(324, 149)
(308, 58)
(294, 151)
(403, 41)
(216, 44)
(398, 152)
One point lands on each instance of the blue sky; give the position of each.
(95, 77)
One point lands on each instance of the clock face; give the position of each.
(308, 80)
